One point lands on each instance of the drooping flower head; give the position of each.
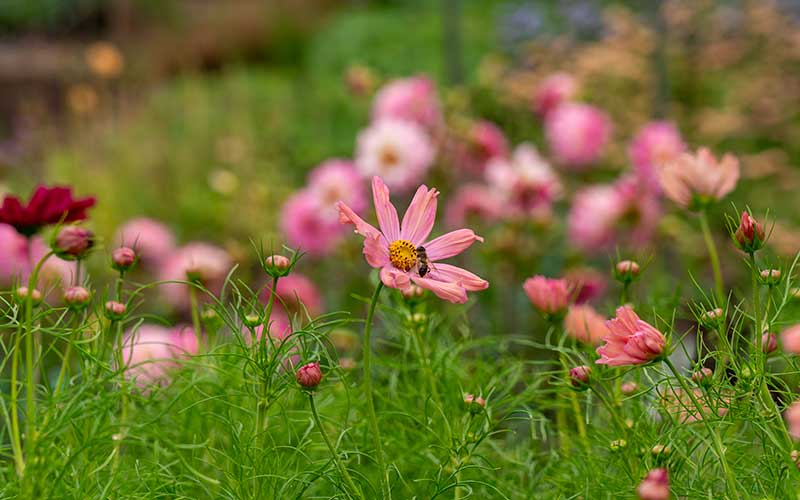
(526, 183)
(152, 240)
(654, 146)
(554, 90)
(48, 205)
(630, 341)
(585, 324)
(400, 152)
(694, 181)
(549, 296)
(410, 99)
(577, 134)
(403, 252)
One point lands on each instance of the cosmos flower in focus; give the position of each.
(577, 134)
(693, 181)
(630, 341)
(48, 205)
(409, 99)
(400, 250)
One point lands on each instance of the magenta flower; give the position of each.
(550, 296)
(48, 205)
(297, 294)
(577, 134)
(631, 341)
(403, 252)
(655, 486)
(18, 256)
(410, 99)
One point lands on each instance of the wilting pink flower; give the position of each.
(17, 261)
(577, 134)
(654, 146)
(550, 296)
(630, 341)
(655, 486)
(410, 99)
(297, 294)
(399, 152)
(526, 183)
(682, 407)
(152, 240)
(403, 252)
(473, 201)
(792, 416)
(150, 352)
(484, 142)
(308, 225)
(552, 91)
(695, 180)
(790, 339)
(198, 261)
(585, 324)
(337, 180)
(585, 284)
(309, 376)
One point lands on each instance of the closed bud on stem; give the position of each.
(618, 444)
(277, 266)
(114, 310)
(629, 388)
(750, 235)
(702, 376)
(309, 376)
(770, 277)
(251, 320)
(123, 258)
(769, 342)
(626, 271)
(713, 318)
(476, 404)
(413, 292)
(77, 297)
(22, 293)
(73, 242)
(210, 319)
(660, 450)
(579, 377)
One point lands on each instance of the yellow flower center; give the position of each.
(403, 254)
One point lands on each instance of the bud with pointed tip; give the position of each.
(77, 297)
(21, 295)
(309, 376)
(115, 310)
(123, 258)
(73, 242)
(750, 235)
(579, 377)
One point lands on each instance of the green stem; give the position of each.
(712, 254)
(65, 362)
(757, 340)
(373, 419)
(334, 454)
(195, 313)
(16, 443)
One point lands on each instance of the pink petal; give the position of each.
(470, 282)
(451, 292)
(387, 214)
(347, 216)
(450, 244)
(418, 219)
(376, 250)
(395, 278)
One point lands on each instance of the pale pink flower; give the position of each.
(152, 240)
(654, 146)
(695, 180)
(552, 91)
(550, 296)
(151, 352)
(585, 324)
(397, 248)
(792, 416)
(204, 262)
(400, 152)
(630, 341)
(337, 180)
(655, 486)
(17, 261)
(297, 294)
(473, 202)
(790, 340)
(308, 224)
(526, 183)
(410, 99)
(577, 134)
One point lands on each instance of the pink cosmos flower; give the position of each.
(204, 262)
(309, 225)
(550, 296)
(337, 180)
(655, 145)
(790, 340)
(297, 294)
(554, 90)
(473, 201)
(410, 99)
(630, 341)
(586, 284)
(398, 151)
(655, 486)
(695, 180)
(577, 134)
(792, 416)
(152, 240)
(17, 261)
(484, 142)
(585, 324)
(151, 352)
(398, 248)
(526, 183)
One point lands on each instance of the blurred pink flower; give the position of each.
(586, 283)
(654, 146)
(152, 240)
(400, 152)
(552, 91)
(790, 340)
(396, 248)
(297, 294)
(585, 324)
(150, 352)
(681, 406)
(577, 134)
(526, 183)
(695, 180)
(630, 341)
(655, 486)
(308, 225)
(473, 201)
(337, 180)
(792, 416)
(205, 262)
(411, 99)
(484, 141)
(15, 266)
(550, 296)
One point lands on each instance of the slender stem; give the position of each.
(334, 454)
(65, 362)
(756, 313)
(712, 254)
(611, 410)
(16, 443)
(195, 313)
(373, 419)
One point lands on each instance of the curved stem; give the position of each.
(334, 454)
(373, 419)
(712, 254)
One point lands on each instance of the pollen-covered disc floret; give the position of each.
(403, 255)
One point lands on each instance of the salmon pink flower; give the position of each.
(48, 205)
(693, 181)
(550, 296)
(630, 341)
(585, 324)
(403, 252)
(398, 151)
(410, 99)
(526, 183)
(577, 134)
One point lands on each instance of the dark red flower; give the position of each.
(48, 205)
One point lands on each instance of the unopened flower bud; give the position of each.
(618, 444)
(713, 318)
(73, 242)
(123, 258)
(660, 449)
(770, 277)
(251, 320)
(277, 266)
(475, 403)
(77, 297)
(21, 295)
(413, 292)
(794, 293)
(115, 310)
(769, 342)
(309, 376)
(211, 319)
(626, 271)
(579, 376)
(702, 376)
(629, 388)
(750, 234)
(655, 486)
